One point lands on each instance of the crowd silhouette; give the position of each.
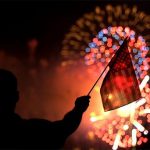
(16, 132)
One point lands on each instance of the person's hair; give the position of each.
(9, 94)
(8, 81)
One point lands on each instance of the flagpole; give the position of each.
(97, 80)
(126, 38)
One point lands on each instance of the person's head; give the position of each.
(8, 91)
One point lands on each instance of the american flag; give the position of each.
(120, 86)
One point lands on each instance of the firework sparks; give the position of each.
(143, 84)
(100, 51)
(80, 34)
(134, 138)
(138, 126)
(123, 126)
(128, 118)
(117, 140)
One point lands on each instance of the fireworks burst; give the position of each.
(86, 27)
(123, 127)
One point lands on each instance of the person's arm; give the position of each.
(58, 131)
(73, 118)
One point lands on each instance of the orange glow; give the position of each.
(139, 134)
(109, 44)
(110, 96)
(102, 49)
(107, 52)
(125, 110)
(145, 140)
(97, 88)
(109, 40)
(91, 135)
(139, 142)
(123, 133)
(94, 50)
(96, 118)
(95, 40)
(120, 119)
(127, 30)
(98, 56)
(127, 137)
(125, 127)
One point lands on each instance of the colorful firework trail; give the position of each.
(123, 127)
(86, 27)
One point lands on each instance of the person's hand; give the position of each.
(82, 103)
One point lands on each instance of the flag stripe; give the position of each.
(120, 85)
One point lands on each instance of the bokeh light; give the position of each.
(86, 27)
(123, 127)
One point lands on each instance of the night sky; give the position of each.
(47, 21)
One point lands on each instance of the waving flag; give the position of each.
(120, 86)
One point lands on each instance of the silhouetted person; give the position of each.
(16, 132)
